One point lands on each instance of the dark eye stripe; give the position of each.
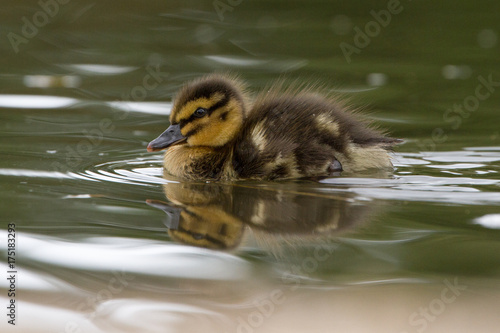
(219, 104)
(184, 122)
(195, 130)
(214, 107)
(198, 236)
(187, 211)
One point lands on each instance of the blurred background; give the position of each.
(85, 85)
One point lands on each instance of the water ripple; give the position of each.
(130, 315)
(465, 182)
(140, 171)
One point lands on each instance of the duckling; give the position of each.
(216, 133)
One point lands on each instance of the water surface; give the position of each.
(105, 243)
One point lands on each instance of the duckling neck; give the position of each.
(200, 162)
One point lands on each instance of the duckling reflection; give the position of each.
(199, 214)
(216, 215)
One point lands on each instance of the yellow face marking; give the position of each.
(325, 122)
(216, 132)
(187, 109)
(194, 124)
(213, 130)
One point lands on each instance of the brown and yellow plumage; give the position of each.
(217, 133)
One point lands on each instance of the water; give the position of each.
(106, 243)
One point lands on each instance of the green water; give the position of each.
(84, 88)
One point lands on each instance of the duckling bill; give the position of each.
(216, 133)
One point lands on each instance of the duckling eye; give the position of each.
(200, 112)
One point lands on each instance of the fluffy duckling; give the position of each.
(215, 133)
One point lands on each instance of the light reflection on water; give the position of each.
(35, 102)
(131, 256)
(57, 102)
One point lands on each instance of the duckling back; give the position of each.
(306, 135)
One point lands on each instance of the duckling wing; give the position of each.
(282, 138)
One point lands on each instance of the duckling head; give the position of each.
(207, 112)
